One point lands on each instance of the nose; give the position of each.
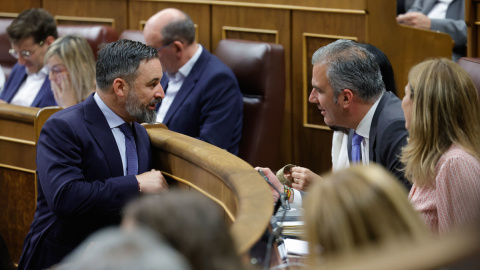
(312, 98)
(160, 93)
(21, 61)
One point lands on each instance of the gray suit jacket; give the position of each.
(387, 136)
(454, 24)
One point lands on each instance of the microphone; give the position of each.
(276, 230)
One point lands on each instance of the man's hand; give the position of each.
(415, 19)
(303, 177)
(2, 101)
(274, 180)
(152, 182)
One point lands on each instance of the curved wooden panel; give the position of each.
(19, 130)
(225, 178)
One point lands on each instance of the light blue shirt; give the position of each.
(175, 82)
(114, 121)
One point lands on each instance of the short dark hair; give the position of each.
(121, 59)
(182, 30)
(34, 22)
(350, 66)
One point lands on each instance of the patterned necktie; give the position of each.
(356, 148)
(131, 150)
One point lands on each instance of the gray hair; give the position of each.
(113, 248)
(182, 30)
(350, 66)
(121, 59)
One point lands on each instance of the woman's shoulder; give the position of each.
(456, 156)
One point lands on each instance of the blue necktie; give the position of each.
(356, 148)
(131, 150)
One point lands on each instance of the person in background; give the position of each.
(30, 34)
(442, 157)
(112, 248)
(71, 66)
(447, 16)
(94, 157)
(202, 99)
(190, 223)
(357, 208)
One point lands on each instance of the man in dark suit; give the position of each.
(87, 168)
(30, 35)
(202, 97)
(349, 91)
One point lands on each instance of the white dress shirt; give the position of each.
(439, 11)
(363, 129)
(175, 82)
(30, 87)
(339, 151)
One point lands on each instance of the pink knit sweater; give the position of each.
(454, 199)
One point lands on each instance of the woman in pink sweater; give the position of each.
(442, 157)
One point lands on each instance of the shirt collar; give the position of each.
(42, 73)
(185, 69)
(363, 129)
(112, 118)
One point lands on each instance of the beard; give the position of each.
(137, 110)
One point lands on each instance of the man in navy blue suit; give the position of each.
(30, 35)
(202, 99)
(86, 173)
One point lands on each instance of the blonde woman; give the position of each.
(71, 65)
(442, 157)
(356, 208)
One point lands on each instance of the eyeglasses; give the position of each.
(57, 69)
(165, 45)
(25, 54)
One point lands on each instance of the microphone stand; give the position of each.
(277, 231)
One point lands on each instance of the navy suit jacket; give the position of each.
(81, 186)
(387, 136)
(44, 97)
(209, 104)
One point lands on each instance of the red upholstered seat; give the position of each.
(135, 35)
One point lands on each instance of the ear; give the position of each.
(179, 46)
(49, 40)
(120, 87)
(346, 98)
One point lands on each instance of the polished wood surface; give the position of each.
(229, 181)
(19, 131)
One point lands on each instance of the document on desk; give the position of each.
(296, 247)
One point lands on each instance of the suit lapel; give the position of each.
(373, 126)
(17, 81)
(187, 86)
(100, 131)
(43, 94)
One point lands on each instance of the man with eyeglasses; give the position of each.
(30, 34)
(202, 96)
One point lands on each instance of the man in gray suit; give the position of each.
(447, 16)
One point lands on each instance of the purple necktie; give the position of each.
(356, 148)
(131, 150)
